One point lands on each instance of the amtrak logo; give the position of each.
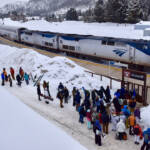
(120, 52)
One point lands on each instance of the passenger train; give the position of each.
(129, 51)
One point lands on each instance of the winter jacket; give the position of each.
(60, 87)
(105, 118)
(88, 115)
(132, 103)
(125, 111)
(146, 135)
(2, 76)
(38, 90)
(137, 130)
(12, 71)
(97, 124)
(77, 97)
(18, 78)
(137, 113)
(26, 77)
(132, 120)
(121, 126)
(117, 105)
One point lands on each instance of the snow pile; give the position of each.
(79, 27)
(55, 70)
(23, 129)
(145, 115)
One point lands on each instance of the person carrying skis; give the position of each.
(38, 91)
(60, 96)
(10, 80)
(26, 77)
(12, 72)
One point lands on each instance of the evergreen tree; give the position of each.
(116, 11)
(71, 14)
(134, 12)
(99, 11)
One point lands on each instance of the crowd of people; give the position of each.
(20, 76)
(101, 110)
(103, 113)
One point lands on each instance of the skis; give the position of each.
(38, 80)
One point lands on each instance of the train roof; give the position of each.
(14, 28)
(80, 36)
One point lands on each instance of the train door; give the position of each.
(131, 54)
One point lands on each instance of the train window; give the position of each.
(61, 41)
(53, 40)
(51, 44)
(104, 42)
(120, 44)
(46, 43)
(72, 48)
(111, 43)
(65, 47)
(28, 33)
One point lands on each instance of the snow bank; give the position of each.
(79, 27)
(56, 70)
(145, 115)
(23, 129)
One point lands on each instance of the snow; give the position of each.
(56, 70)
(23, 129)
(145, 115)
(29, 124)
(126, 31)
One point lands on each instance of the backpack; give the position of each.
(136, 130)
(124, 136)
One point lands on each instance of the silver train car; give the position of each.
(128, 51)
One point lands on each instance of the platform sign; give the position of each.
(128, 73)
(134, 74)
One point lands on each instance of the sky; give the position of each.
(3, 2)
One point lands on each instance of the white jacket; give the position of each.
(121, 126)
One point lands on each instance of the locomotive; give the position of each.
(134, 52)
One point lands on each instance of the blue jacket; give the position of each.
(146, 135)
(3, 76)
(117, 94)
(26, 77)
(97, 124)
(77, 97)
(125, 111)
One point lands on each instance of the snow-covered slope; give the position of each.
(39, 7)
(57, 69)
(78, 27)
(23, 129)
